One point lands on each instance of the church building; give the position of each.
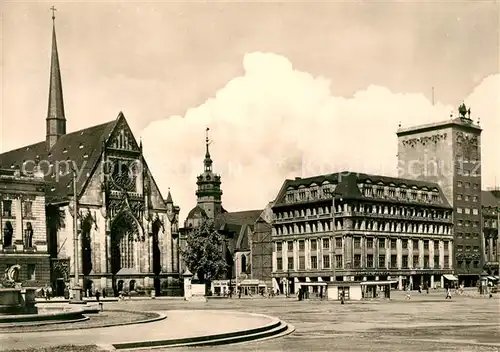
(239, 228)
(127, 232)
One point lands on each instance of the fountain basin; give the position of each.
(17, 301)
(47, 314)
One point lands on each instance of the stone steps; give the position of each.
(276, 329)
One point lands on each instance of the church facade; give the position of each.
(127, 232)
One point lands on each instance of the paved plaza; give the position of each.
(424, 323)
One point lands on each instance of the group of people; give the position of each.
(46, 292)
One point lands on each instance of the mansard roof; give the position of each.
(347, 185)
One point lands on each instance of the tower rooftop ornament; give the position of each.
(464, 113)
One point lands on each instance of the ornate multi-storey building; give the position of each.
(449, 153)
(490, 202)
(127, 233)
(23, 244)
(381, 228)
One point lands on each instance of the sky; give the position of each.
(287, 88)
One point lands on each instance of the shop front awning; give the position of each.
(373, 283)
(313, 283)
(450, 277)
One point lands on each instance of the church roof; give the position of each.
(83, 147)
(234, 221)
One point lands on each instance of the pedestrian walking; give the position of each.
(97, 295)
(448, 294)
(408, 294)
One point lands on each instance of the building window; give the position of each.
(426, 244)
(7, 208)
(426, 262)
(381, 261)
(459, 197)
(460, 248)
(476, 248)
(475, 211)
(28, 236)
(8, 232)
(476, 223)
(416, 264)
(436, 261)
(460, 263)
(404, 263)
(290, 246)
(467, 211)
(394, 261)
(369, 261)
(476, 264)
(338, 242)
(279, 247)
(381, 243)
(357, 261)
(302, 263)
(467, 248)
(369, 243)
(393, 243)
(459, 184)
(459, 210)
(357, 242)
(474, 198)
(31, 272)
(27, 209)
(446, 262)
(279, 262)
(326, 262)
(415, 245)
(338, 261)
(314, 245)
(404, 244)
(436, 246)
(445, 245)
(290, 263)
(314, 262)
(326, 243)
(301, 245)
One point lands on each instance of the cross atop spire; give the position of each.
(53, 9)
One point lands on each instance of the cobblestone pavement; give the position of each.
(426, 322)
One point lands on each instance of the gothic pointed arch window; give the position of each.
(28, 236)
(124, 232)
(8, 232)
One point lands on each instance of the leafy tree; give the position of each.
(204, 252)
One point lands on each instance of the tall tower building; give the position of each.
(209, 193)
(449, 153)
(56, 120)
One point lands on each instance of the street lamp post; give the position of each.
(76, 284)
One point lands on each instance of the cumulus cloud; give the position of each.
(275, 122)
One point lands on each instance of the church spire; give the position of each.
(56, 120)
(208, 161)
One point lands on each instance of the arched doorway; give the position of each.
(132, 285)
(120, 286)
(124, 232)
